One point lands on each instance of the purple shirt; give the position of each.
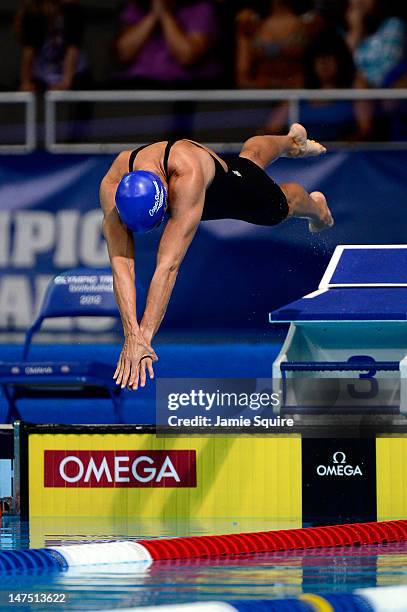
(154, 61)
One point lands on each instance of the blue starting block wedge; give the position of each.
(354, 326)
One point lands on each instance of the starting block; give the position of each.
(353, 326)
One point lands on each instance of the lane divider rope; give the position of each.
(148, 551)
(272, 541)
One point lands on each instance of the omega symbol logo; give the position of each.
(341, 455)
(339, 467)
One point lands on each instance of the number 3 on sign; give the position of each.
(373, 389)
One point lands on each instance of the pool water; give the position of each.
(261, 576)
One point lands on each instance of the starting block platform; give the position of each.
(353, 326)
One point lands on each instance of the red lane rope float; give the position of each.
(271, 541)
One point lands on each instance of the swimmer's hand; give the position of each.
(136, 359)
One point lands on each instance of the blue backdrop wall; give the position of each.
(233, 274)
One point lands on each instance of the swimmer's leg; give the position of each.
(263, 150)
(312, 206)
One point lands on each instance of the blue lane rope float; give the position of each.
(40, 559)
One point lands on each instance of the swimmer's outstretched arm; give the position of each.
(175, 241)
(187, 196)
(121, 252)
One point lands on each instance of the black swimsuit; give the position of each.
(244, 192)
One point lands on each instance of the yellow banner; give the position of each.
(140, 475)
(391, 467)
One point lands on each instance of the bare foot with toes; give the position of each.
(302, 146)
(324, 219)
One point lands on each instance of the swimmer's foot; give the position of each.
(323, 219)
(302, 146)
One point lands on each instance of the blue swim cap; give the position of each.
(141, 201)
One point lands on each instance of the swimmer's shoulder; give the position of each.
(183, 157)
(190, 152)
(119, 167)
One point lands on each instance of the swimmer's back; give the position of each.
(165, 156)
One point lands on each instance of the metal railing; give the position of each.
(292, 97)
(30, 126)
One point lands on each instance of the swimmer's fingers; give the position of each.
(149, 366)
(126, 373)
(118, 368)
(146, 366)
(139, 375)
(134, 377)
(143, 377)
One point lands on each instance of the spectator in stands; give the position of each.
(324, 15)
(378, 39)
(226, 12)
(51, 32)
(329, 65)
(270, 49)
(168, 42)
